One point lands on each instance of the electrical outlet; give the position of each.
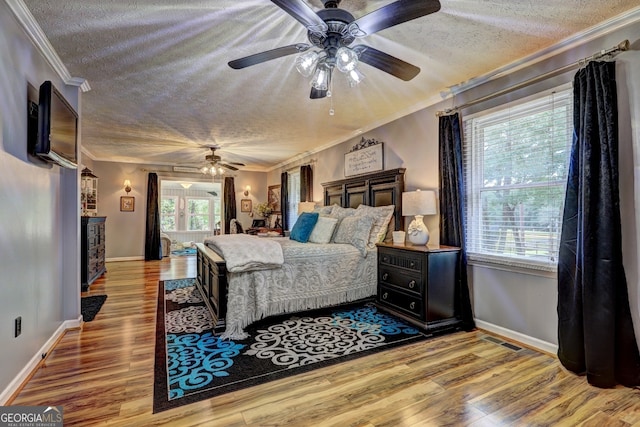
(18, 326)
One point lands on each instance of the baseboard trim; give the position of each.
(125, 258)
(536, 343)
(16, 384)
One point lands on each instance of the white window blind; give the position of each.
(515, 163)
(294, 198)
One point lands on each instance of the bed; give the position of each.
(309, 275)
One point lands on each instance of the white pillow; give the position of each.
(323, 230)
(355, 230)
(381, 217)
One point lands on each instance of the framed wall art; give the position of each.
(245, 205)
(273, 198)
(127, 203)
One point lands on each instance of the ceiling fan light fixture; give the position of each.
(321, 77)
(354, 77)
(346, 59)
(306, 63)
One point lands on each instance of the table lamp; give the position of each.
(418, 203)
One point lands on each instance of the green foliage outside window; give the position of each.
(198, 210)
(168, 214)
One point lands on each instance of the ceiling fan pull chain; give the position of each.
(331, 110)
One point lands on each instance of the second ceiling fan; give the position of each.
(332, 31)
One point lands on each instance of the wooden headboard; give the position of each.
(375, 189)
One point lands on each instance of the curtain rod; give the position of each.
(308, 163)
(620, 47)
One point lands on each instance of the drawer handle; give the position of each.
(412, 284)
(385, 276)
(412, 305)
(412, 264)
(385, 295)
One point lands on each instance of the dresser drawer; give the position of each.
(401, 301)
(400, 278)
(403, 259)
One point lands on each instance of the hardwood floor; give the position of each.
(103, 375)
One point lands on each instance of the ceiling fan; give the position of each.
(215, 163)
(331, 31)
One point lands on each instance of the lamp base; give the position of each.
(418, 232)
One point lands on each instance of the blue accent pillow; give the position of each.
(304, 226)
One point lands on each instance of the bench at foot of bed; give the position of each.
(211, 279)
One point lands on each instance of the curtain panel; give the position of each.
(595, 329)
(452, 209)
(306, 183)
(229, 195)
(284, 200)
(152, 242)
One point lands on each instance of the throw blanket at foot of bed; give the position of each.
(244, 252)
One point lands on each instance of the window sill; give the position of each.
(513, 265)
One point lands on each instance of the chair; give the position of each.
(235, 227)
(165, 240)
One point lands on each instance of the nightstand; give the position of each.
(418, 284)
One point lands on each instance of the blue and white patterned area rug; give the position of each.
(193, 364)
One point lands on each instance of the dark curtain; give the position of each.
(152, 242)
(306, 183)
(595, 330)
(284, 200)
(229, 195)
(452, 221)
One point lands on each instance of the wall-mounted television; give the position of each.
(57, 136)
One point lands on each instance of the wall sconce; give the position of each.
(127, 186)
(246, 190)
(185, 185)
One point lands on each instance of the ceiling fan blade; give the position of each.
(303, 13)
(268, 55)
(317, 94)
(394, 14)
(236, 164)
(387, 63)
(224, 165)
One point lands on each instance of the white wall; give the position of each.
(39, 218)
(514, 303)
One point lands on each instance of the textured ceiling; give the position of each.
(161, 87)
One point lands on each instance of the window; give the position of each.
(169, 213)
(294, 198)
(198, 214)
(516, 162)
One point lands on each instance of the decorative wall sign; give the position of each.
(366, 156)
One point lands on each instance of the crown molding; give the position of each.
(42, 44)
(578, 39)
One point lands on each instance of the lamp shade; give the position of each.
(306, 207)
(419, 203)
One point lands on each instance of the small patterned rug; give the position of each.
(183, 252)
(193, 364)
(90, 306)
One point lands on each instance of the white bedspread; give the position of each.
(312, 276)
(244, 252)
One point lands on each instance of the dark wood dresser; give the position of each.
(418, 284)
(92, 236)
